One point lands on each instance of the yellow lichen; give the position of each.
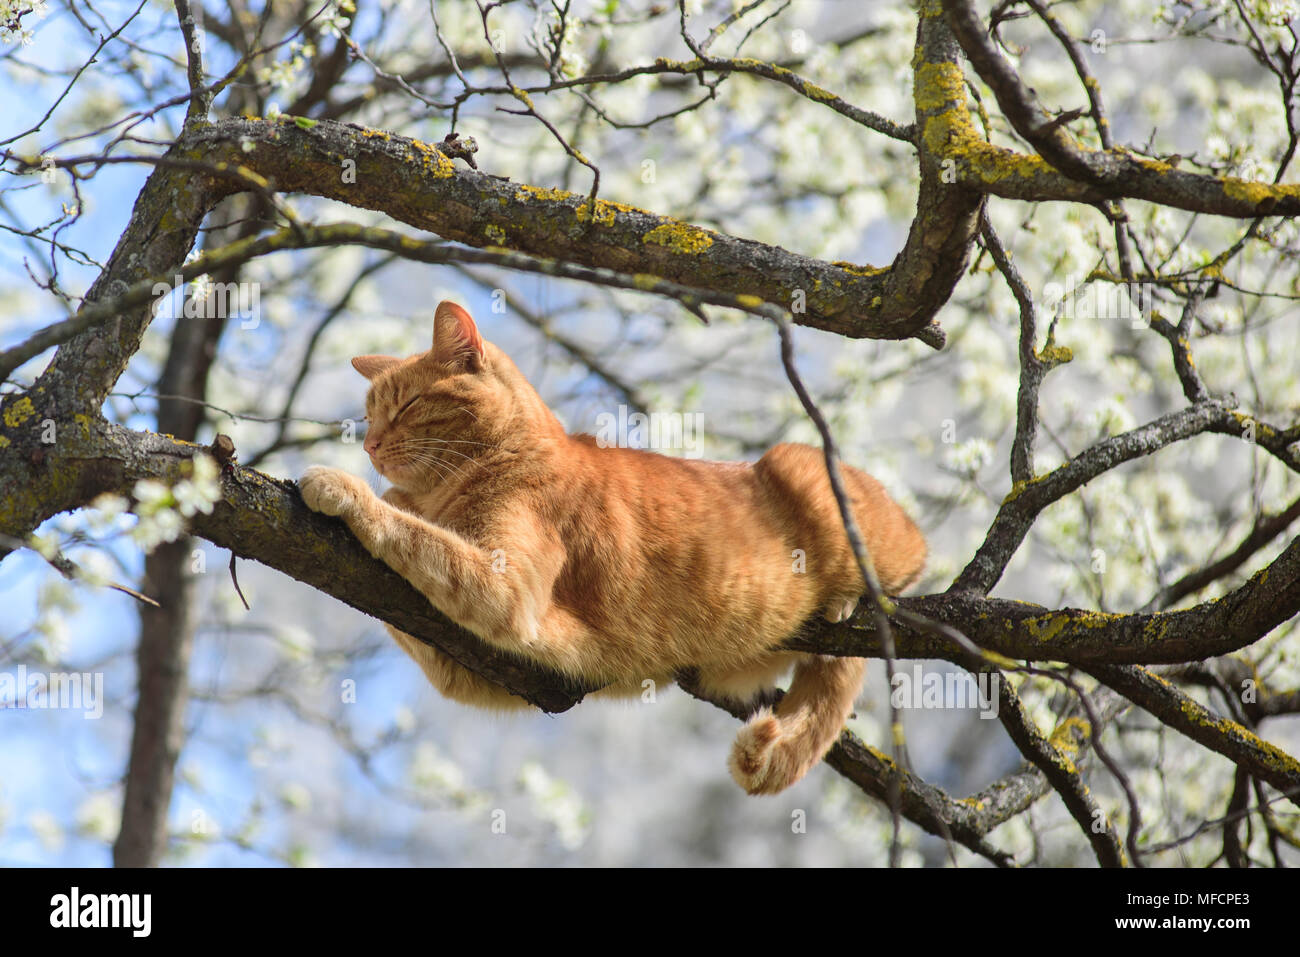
(684, 66)
(435, 161)
(680, 238)
(1262, 431)
(1068, 735)
(993, 164)
(526, 192)
(1047, 627)
(1095, 619)
(1056, 355)
(1018, 488)
(1156, 166)
(750, 63)
(860, 270)
(815, 92)
(948, 133)
(1155, 629)
(1256, 193)
(938, 85)
(495, 233)
(604, 213)
(19, 412)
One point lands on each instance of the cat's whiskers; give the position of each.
(434, 440)
(445, 468)
(435, 451)
(441, 469)
(429, 446)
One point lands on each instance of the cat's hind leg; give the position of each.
(777, 748)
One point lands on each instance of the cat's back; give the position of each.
(740, 517)
(649, 488)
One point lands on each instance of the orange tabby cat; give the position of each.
(609, 564)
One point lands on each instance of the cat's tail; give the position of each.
(776, 749)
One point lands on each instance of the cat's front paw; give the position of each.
(332, 491)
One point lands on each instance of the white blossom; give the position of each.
(47, 829)
(16, 17)
(106, 510)
(201, 491)
(970, 456)
(557, 802)
(100, 816)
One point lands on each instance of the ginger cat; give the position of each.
(610, 564)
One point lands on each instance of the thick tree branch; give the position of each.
(943, 230)
(334, 235)
(261, 514)
(264, 518)
(1017, 629)
(1089, 175)
(416, 183)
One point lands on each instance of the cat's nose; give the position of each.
(371, 444)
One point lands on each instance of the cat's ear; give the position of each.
(371, 366)
(456, 340)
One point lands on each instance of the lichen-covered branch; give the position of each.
(1017, 629)
(335, 235)
(943, 230)
(1242, 747)
(417, 184)
(1056, 759)
(1064, 169)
